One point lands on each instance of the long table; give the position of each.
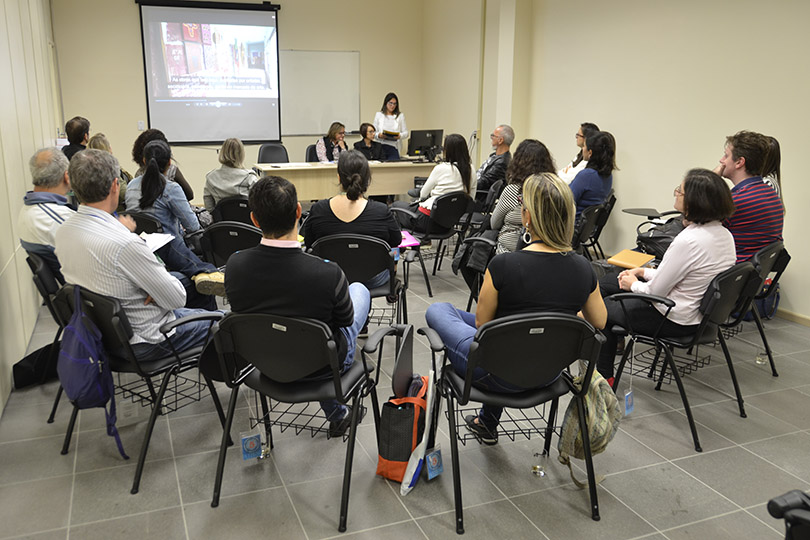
(320, 180)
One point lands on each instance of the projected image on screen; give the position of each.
(211, 73)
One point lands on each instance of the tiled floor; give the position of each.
(656, 486)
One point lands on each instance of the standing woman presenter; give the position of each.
(390, 120)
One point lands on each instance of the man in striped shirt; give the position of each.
(759, 216)
(46, 207)
(100, 252)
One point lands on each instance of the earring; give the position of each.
(527, 237)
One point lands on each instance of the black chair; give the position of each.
(361, 258)
(475, 220)
(443, 225)
(585, 226)
(530, 350)
(112, 322)
(146, 223)
(719, 300)
(273, 153)
(773, 258)
(477, 246)
(311, 155)
(601, 220)
(271, 355)
(232, 209)
(223, 239)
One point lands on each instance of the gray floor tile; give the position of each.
(725, 419)
(494, 520)
(58, 534)
(666, 496)
(371, 503)
(253, 515)
(159, 525)
(739, 475)
(407, 529)
(33, 395)
(21, 506)
(34, 460)
(736, 526)
(29, 422)
(203, 432)
(793, 369)
(622, 454)
(790, 406)
(668, 434)
(789, 452)
(546, 508)
(760, 511)
(97, 450)
(787, 340)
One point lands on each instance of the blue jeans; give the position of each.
(361, 301)
(457, 329)
(185, 337)
(177, 257)
(377, 281)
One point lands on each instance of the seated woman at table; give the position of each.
(351, 213)
(367, 145)
(699, 252)
(454, 174)
(329, 148)
(231, 179)
(546, 275)
(592, 185)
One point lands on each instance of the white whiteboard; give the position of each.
(318, 88)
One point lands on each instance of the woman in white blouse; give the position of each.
(390, 120)
(570, 171)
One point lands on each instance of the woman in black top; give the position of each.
(350, 211)
(546, 275)
(367, 145)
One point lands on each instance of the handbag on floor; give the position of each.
(402, 425)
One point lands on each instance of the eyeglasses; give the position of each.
(394, 103)
(579, 136)
(677, 191)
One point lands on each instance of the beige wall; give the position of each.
(28, 120)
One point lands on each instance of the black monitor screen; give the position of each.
(421, 141)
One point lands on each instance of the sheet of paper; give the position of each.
(156, 241)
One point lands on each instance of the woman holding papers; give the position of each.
(699, 252)
(546, 275)
(390, 126)
(351, 213)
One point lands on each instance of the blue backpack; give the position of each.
(83, 367)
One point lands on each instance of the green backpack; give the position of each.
(604, 414)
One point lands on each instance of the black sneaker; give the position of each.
(338, 428)
(480, 430)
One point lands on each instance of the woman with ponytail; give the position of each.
(152, 194)
(350, 211)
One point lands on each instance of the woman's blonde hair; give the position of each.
(551, 208)
(99, 142)
(232, 153)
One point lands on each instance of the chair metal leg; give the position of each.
(424, 273)
(217, 404)
(627, 350)
(437, 259)
(223, 447)
(586, 445)
(136, 483)
(347, 470)
(550, 421)
(654, 363)
(451, 418)
(55, 404)
(663, 366)
(268, 425)
(404, 305)
(758, 320)
(686, 407)
(69, 433)
(731, 371)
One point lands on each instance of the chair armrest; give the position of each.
(480, 240)
(649, 298)
(436, 343)
(405, 211)
(210, 316)
(374, 339)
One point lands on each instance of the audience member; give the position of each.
(367, 145)
(100, 253)
(154, 195)
(531, 157)
(454, 174)
(328, 148)
(277, 277)
(592, 184)
(772, 169)
(45, 208)
(77, 130)
(390, 127)
(759, 215)
(700, 252)
(570, 171)
(99, 142)
(494, 168)
(173, 174)
(231, 179)
(544, 276)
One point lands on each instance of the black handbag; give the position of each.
(656, 239)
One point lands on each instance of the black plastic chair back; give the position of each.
(232, 209)
(587, 224)
(46, 283)
(223, 239)
(773, 258)
(273, 153)
(724, 296)
(447, 211)
(311, 155)
(602, 218)
(539, 345)
(360, 257)
(146, 223)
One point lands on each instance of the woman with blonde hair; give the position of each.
(99, 142)
(231, 179)
(546, 275)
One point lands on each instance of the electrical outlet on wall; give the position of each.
(141, 125)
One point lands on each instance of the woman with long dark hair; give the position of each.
(173, 174)
(390, 127)
(570, 171)
(593, 184)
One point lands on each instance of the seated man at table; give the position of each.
(277, 277)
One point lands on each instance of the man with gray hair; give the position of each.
(100, 253)
(46, 207)
(494, 168)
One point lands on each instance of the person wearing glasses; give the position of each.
(328, 148)
(390, 127)
(570, 171)
(494, 168)
(367, 145)
(593, 183)
(701, 251)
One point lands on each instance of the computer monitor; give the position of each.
(425, 143)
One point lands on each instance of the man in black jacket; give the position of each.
(494, 168)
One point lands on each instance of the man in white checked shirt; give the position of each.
(99, 252)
